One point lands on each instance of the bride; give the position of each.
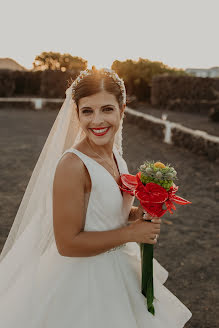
(72, 257)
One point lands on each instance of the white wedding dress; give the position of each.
(101, 291)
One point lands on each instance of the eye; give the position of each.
(109, 108)
(86, 110)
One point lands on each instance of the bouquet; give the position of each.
(153, 186)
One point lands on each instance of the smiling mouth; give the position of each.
(100, 131)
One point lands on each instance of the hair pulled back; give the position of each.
(95, 83)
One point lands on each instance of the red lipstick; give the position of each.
(100, 134)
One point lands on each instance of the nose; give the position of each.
(97, 118)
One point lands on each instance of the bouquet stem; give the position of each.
(147, 286)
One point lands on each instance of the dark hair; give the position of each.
(95, 83)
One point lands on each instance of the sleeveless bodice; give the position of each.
(105, 207)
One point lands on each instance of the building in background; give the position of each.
(204, 72)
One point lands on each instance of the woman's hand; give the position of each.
(143, 231)
(141, 213)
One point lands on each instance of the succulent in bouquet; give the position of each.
(154, 187)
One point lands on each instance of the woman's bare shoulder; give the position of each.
(70, 160)
(70, 167)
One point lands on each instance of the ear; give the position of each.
(122, 110)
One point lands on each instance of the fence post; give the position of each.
(167, 137)
(38, 103)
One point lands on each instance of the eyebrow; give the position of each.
(101, 106)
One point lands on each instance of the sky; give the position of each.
(181, 34)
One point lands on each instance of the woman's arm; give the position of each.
(90, 243)
(68, 214)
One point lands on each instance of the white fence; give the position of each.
(38, 102)
(170, 125)
(199, 142)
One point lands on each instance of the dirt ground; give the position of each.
(188, 242)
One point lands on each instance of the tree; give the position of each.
(137, 75)
(57, 61)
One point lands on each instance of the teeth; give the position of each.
(99, 131)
